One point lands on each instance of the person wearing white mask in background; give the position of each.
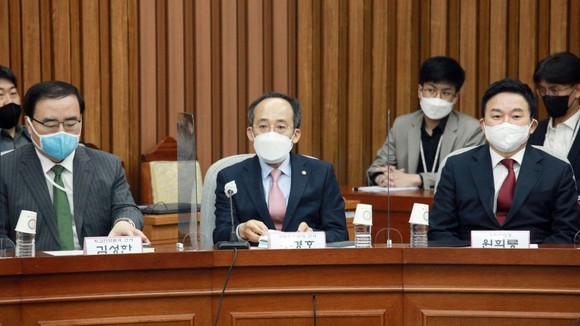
(557, 79)
(507, 184)
(278, 189)
(418, 142)
(76, 191)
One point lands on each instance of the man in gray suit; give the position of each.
(418, 142)
(54, 171)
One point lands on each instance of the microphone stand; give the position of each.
(233, 242)
(389, 240)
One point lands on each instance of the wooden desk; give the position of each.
(401, 204)
(375, 286)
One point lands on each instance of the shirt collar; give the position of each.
(284, 167)
(496, 157)
(47, 164)
(570, 123)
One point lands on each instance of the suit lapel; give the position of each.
(448, 137)
(530, 172)
(34, 178)
(483, 179)
(82, 180)
(253, 181)
(414, 142)
(300, 174)
(574, 150)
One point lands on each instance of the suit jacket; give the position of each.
(404, 141)
(538, 138)
(545, 198)
(101, 195)
(314, 198)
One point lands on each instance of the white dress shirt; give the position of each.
(67, 180)
(560, 138)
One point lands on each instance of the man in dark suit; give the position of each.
(508, 184)
(557, 78)
(76, 191)
(279, 190)
(12, 134)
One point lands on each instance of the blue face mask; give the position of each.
(58, 145)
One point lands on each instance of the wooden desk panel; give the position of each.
(401, 204)
(374, 286)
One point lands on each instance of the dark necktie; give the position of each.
(62, 211)
(276, 202)
(505, 195)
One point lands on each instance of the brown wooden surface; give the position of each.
(376, 286)
(401, 204)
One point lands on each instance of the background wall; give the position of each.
(139, 63)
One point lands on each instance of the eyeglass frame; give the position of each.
(553, 91)
(269, 128)
(438, 93)
(58, 123)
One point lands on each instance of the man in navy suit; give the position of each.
(557, 78)
(468, 194)
(277, 189)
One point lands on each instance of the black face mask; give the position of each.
(557, 106)
(9, 115)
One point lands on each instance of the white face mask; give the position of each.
(507, 137)
(272, 147)
(435, 108)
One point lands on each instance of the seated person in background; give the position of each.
(508, 184)
(12, 135)
(76, 191)
(419, 141)
(277, 189)
(557, 78)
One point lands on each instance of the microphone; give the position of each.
(230, 190)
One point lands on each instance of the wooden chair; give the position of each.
(159, 186)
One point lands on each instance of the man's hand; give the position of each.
(124, 228)
(252, 230)
(303, 227)
(396, 178)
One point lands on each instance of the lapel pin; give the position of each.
(303, 172)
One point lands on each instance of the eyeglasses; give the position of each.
(554, 91)
(279, 128)
(432, 92)
(53, 125)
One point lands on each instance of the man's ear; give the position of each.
(250, 134)
(296, 136)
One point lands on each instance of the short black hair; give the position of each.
(442, 70)
(53, 89)
(6, 73)
(561, 68)
(509, 85)
(293, 102)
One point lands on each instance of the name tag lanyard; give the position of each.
(574, 134)
(436, 155)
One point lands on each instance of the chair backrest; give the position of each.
(207, 223)
(159, 174)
